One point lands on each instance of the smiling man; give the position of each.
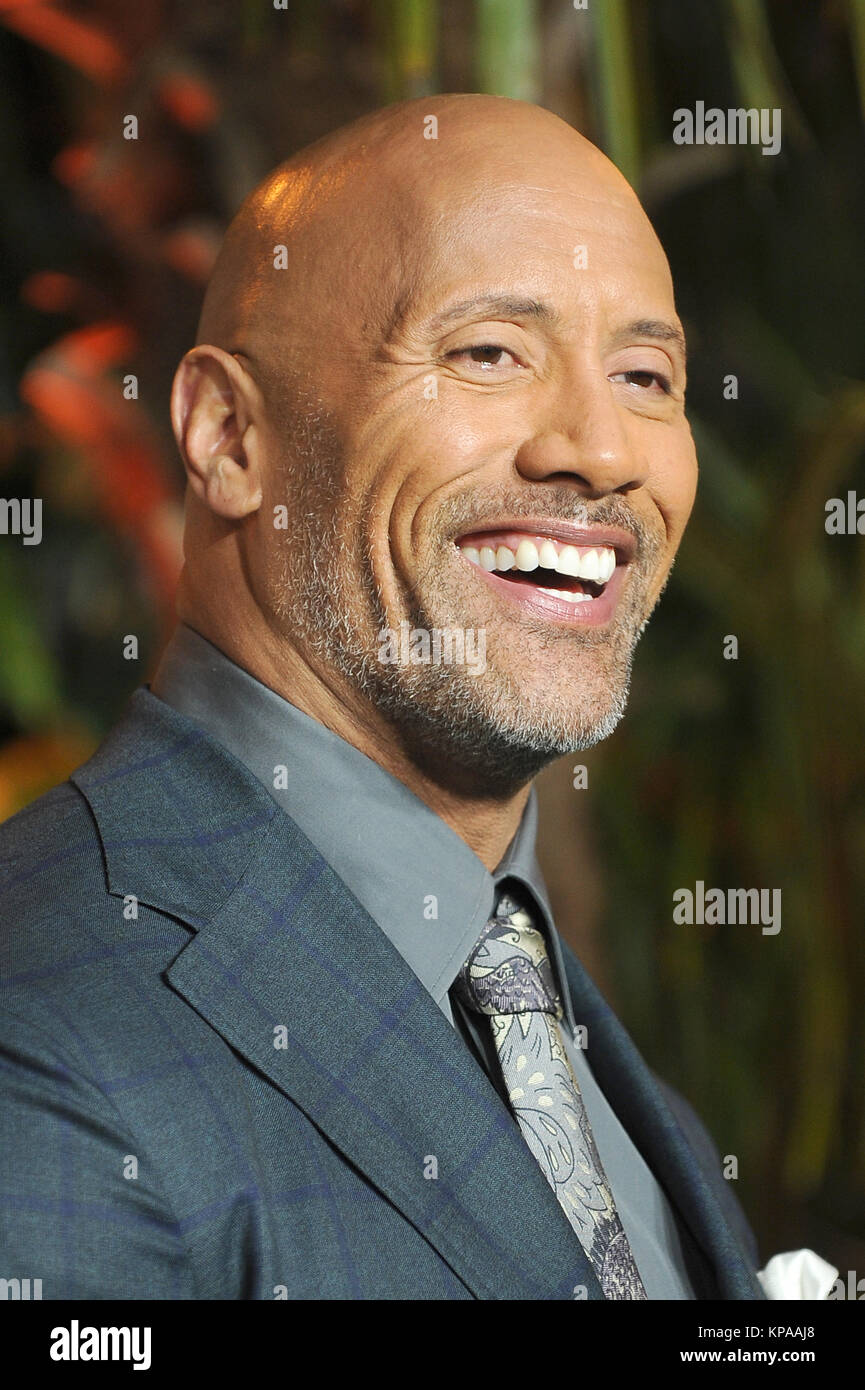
(297, 1021)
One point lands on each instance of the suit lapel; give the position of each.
(290, 969)
(629, 1085)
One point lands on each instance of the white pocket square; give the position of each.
(797, 1274)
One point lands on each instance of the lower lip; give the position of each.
(557, 610)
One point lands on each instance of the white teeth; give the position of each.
(547, 556)
(569, 561)
(526, 556)
(566, 595)
(595, 565)
(589, 568)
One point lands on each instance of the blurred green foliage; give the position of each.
(743, 773)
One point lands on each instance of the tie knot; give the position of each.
(508, 970)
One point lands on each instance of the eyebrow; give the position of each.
(507, 306)
(500, 305)
(653, 328)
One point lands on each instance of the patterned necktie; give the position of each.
(508, 977)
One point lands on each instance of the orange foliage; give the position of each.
(76, 162)
(190, 100)
(51, 292)
(32, 764)
(191, 251)
(87, 48)
(68, 389)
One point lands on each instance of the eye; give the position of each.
(486, 356)
(645, 380)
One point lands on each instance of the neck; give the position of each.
(486, 824)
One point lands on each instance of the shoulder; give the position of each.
(78, 963)
(50, 867)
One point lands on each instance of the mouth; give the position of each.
(563, 574)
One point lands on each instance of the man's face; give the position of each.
(511, 457)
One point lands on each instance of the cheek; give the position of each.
(674, 487)
(425, 461)
(264, 558)
(441, 443)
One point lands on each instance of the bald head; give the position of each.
(341, 234)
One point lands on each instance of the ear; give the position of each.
(213, 408)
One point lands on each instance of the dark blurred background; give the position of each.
(742, 773)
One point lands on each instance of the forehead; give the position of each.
(579, 243)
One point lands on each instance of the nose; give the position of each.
(584, 440)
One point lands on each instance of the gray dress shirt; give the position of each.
(428, 892)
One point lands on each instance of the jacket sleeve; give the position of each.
(80, 1204)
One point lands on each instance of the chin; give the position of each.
(499, 737)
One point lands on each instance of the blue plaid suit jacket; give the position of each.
(239, 1092)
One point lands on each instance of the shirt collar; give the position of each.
(428, 892)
